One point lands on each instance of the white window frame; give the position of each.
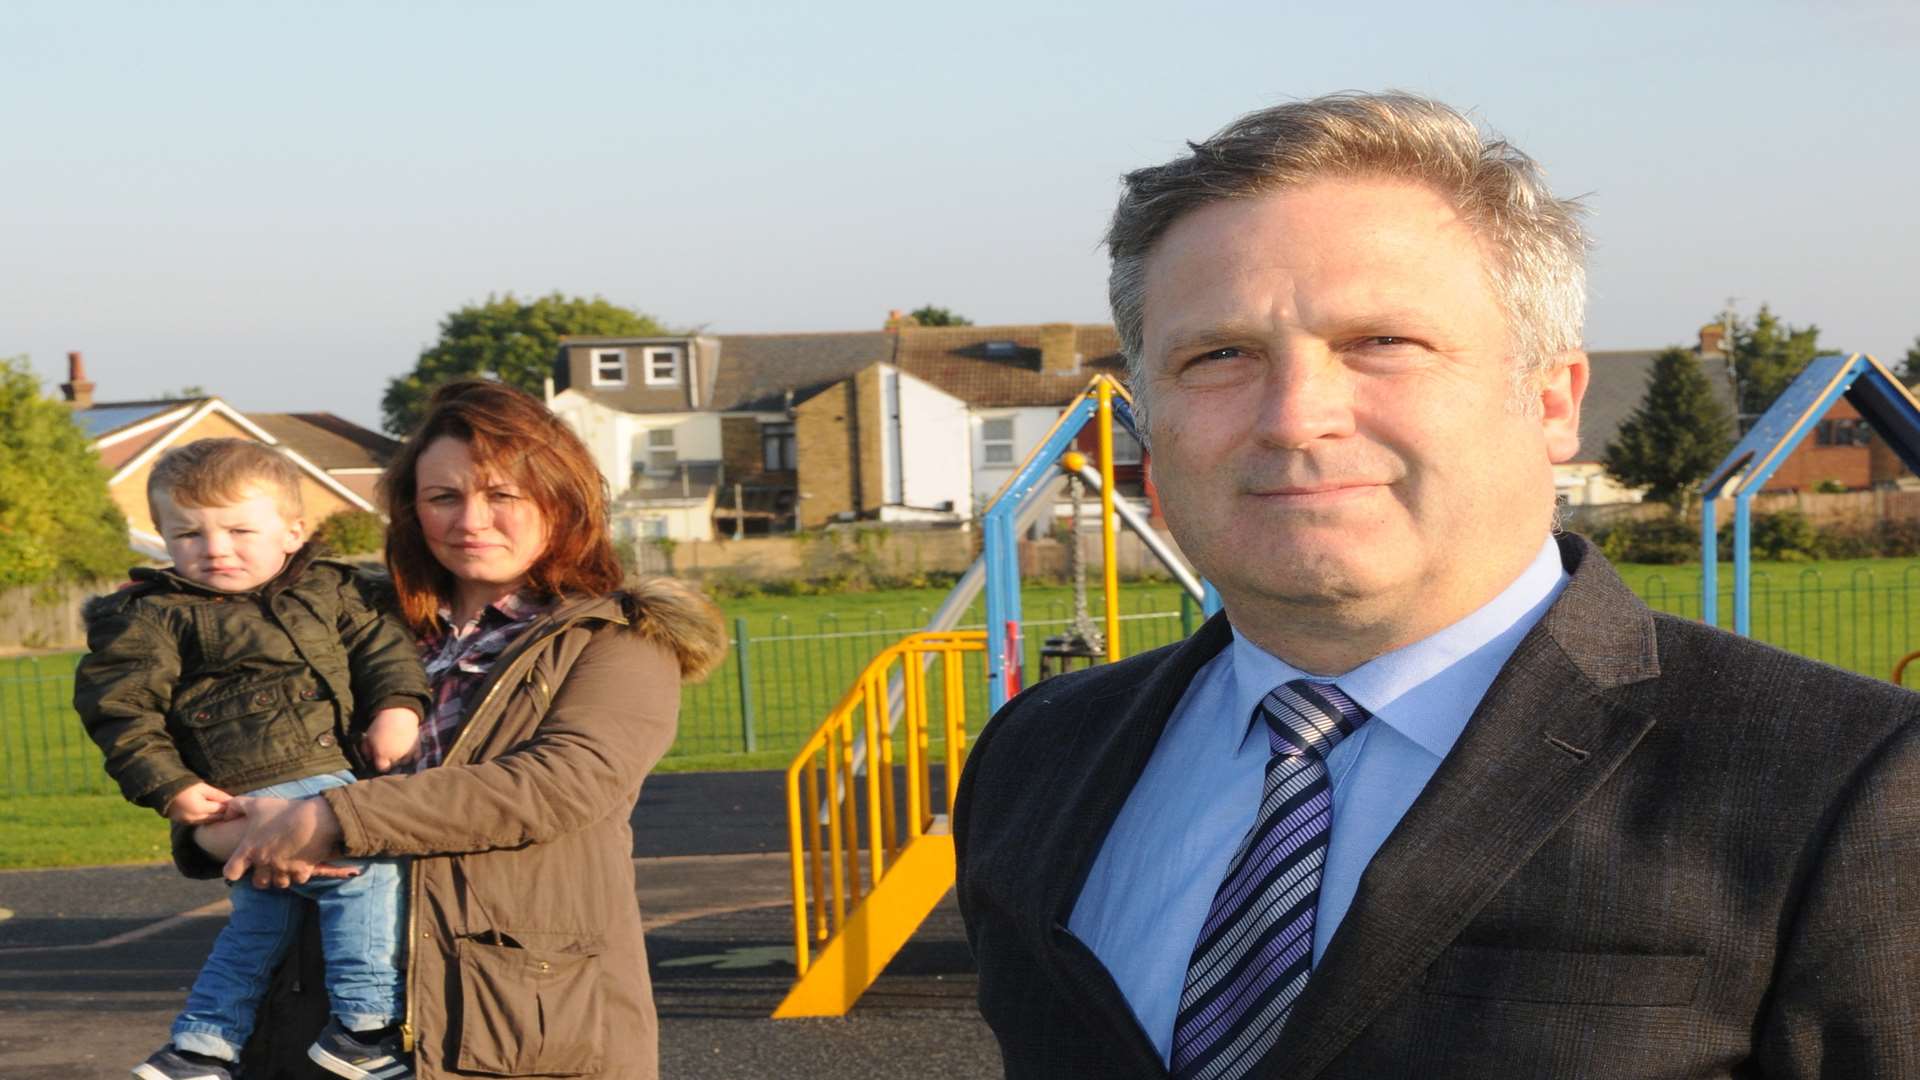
(655, 352)
(601, 354)
(655, 446)
(988, 443)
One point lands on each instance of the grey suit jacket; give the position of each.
(1658, 850)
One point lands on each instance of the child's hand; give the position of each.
(391, 739)
(198, 805)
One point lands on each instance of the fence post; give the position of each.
(1186, 614)
(744, 671)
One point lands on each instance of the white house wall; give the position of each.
(604, 432)
(696, 436)
(934, 447)
(1030, 425)
(618, 439)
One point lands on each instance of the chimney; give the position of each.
(1059, 352)
(78, 388)
(1713, 339)
(895, 320)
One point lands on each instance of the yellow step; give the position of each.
(876, 928)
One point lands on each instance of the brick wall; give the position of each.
(740, 447)
(890, 552)
(871, 434)
(826, 448)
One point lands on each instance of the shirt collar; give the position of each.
(1426, 690)
(511, 608)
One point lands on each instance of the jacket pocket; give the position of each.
(528, 1011)
(236, 733)
(1537, 975)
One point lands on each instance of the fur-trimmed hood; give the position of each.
(679, 617)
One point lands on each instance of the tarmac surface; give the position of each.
(95, 962)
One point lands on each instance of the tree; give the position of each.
(1909, 369)
(57, 522)
(928, 315)
(510, 339)
(1676, 435)
(1767, 354)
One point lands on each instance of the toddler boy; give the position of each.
(242, 668)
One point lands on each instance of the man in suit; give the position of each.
(1436, 796)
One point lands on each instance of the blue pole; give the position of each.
(1742, 564)
(996, 610)
(1709, 564)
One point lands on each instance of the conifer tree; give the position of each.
(1679, 432)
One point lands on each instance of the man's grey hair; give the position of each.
(1537, 247)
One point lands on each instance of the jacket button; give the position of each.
(544, 966)
(263, 698)
(325, 740)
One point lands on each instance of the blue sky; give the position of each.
(280, 201)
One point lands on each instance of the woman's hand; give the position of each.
(286, 842)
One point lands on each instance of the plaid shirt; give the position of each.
(458, 659)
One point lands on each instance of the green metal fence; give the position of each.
(779, 681)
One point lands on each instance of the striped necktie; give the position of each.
(1255, 951)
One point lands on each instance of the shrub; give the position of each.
(1664, 541)
(352, 532)
(1788, 536)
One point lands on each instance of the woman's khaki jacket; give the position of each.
(526, 957)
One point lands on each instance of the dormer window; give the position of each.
(663, 367)
(609, 367)
(1002, 349)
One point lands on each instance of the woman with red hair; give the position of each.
(555, 691)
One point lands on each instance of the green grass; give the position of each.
(78, 830)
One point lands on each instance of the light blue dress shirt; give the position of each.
(1149, 890)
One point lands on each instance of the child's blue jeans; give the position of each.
(361, 923)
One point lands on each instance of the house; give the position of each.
(778, 431)
(1842, 450)
(681, 423)
(130, 435)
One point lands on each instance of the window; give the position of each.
(663, 367)
(776, 447)
(1126, 448)
(662, 456)
(609, 367)
(1848, 432)
(996, 441)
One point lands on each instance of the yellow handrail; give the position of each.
(823, 774)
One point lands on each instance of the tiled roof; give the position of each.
(327, 440)
(757, 370)
(961, 361)
(129, 448)
(1617, 384)
(106, 417)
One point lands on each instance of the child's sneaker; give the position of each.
(346, 1053)
(170, 1064)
